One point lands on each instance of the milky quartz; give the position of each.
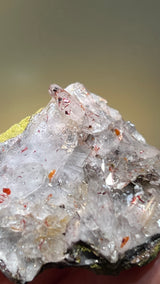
(78, 174)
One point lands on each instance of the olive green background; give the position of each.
(112, 46)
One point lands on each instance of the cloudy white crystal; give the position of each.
(77, 173)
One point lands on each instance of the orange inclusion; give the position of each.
(124, 241)
(51, 174)
(117, 132)
(7, 191)
(82, 107)
(49, 196)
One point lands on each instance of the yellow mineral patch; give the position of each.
(16, 129)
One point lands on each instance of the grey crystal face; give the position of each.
(78, 174)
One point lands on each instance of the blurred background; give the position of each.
(111, 46)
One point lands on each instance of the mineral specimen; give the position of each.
(79, 186)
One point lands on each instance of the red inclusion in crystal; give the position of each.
(26, 148)
(2, 197)
(7, 190)
(124, 241)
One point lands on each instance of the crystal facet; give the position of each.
(78, 186)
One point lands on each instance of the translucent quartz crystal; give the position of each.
(78, 174)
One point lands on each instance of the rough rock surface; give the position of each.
(80, 187)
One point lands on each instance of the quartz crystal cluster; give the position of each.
(79, 186)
